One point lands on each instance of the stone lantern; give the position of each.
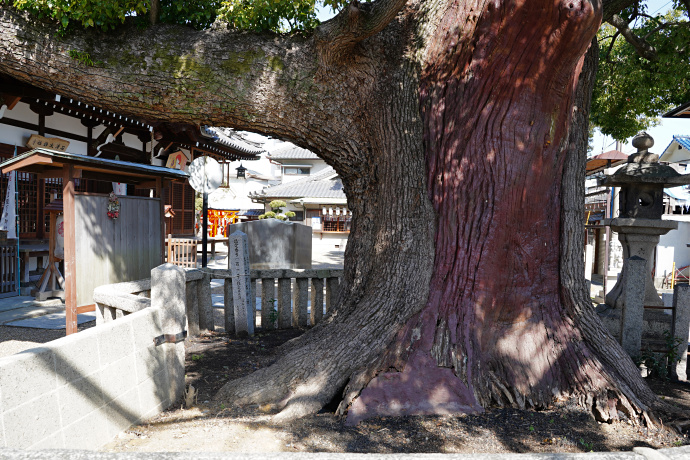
(642, 181)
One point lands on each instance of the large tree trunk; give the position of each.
(506, 320)
(449, 128)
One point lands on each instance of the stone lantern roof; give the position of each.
(643, 167)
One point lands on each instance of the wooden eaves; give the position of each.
(49, 164)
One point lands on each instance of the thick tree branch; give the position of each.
(611, 7)
(171, 73)
(353, 24)
(642, 47)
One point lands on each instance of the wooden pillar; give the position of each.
(159, 194)
(70, 249)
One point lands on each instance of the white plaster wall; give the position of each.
(672, 247)
(236, 196)
(317, 166)
(13, 136)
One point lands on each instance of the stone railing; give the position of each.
(301, 298)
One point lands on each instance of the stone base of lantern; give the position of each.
(639, 237)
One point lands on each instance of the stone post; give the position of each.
(228, 306)
(268, 297)
(300, 316)
(332, 291)
(192, 308)
(316, 301)
(639, 237)
(168, 294)
(633, 307)
(238, 257)
(681, 329)
(284, 303)
(205, 302)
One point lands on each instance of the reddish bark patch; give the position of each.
(422, 388)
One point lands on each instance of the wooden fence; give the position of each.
(115, 250)
(182, 252)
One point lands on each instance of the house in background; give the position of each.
(292, 163)
(314, 192)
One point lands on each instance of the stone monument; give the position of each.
(238, 258)
(274, 244)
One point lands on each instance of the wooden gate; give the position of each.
(9, 271)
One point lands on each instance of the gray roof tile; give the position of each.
(322, 185)
(293, 153)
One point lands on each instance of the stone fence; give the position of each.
(80, 391)
(301, 299)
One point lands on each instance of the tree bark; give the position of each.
(449, 126)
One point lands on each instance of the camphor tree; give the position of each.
(458, 128)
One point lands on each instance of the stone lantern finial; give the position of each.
(643, 142)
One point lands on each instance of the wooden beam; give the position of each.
(108, 177)
(11, 101)
(54, 174)
(148, 185)
(70, 249)
(38, 159)
(86, 308)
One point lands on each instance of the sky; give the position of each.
(663, 133)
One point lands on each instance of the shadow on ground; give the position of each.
(214, 359)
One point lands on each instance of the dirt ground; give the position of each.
(214, 359)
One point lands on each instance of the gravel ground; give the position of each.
(214, 359)
(16, 339)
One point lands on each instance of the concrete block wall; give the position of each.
(80, 391)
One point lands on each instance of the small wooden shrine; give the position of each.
(107, 238)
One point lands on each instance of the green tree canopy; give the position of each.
(644, 69)
(257, 15)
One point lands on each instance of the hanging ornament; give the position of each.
(113, 206)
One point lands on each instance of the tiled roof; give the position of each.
(325, 184)
(231, 139)
(293, 153)
(675, 154)
(682, 140)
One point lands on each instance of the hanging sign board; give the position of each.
(177, 160)
(50, 143)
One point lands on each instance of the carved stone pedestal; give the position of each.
(639, 237)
